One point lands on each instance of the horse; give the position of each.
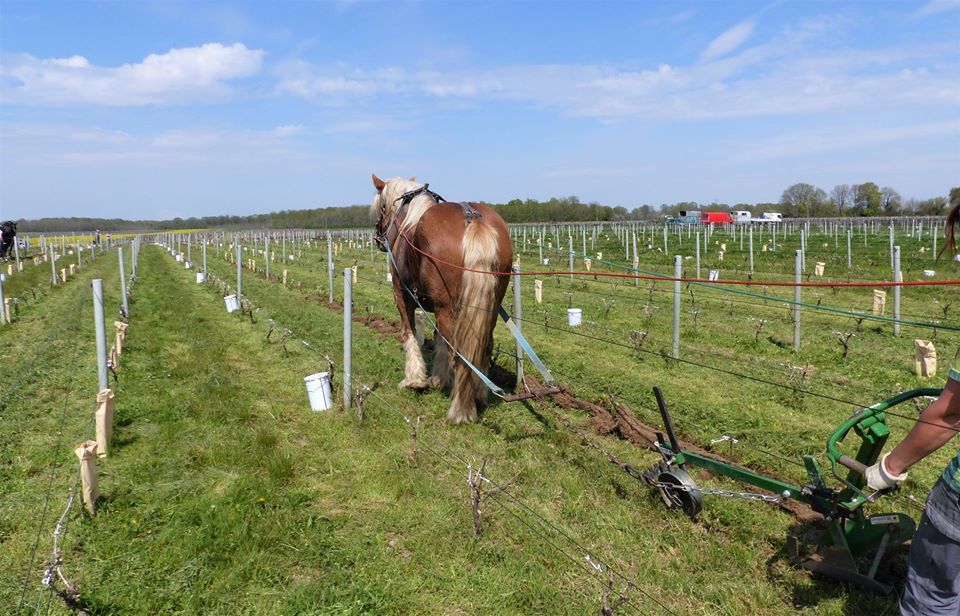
(454, 260)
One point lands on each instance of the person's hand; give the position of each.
(879, 478)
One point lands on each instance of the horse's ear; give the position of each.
(413, 178)
(378, 183)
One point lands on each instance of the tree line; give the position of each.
(865, 199)
(799, 200)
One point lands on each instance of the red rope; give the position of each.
(664, 278)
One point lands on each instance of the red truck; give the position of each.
(715, 218)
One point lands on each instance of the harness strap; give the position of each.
(469, 212)
(408, 196)
(538, 364)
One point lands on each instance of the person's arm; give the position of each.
(940, 422)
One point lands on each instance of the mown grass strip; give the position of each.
(49, 386)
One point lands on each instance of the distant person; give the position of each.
(8, 231)
(933, 575)
(96, 238)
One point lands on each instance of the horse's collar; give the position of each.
(408, 196)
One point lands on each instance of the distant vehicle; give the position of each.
(716, 218)
(741, 216)
(768, 217)
(685, 217)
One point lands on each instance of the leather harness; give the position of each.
(469, 212)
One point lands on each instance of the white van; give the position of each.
(740, 216)
(769, 217)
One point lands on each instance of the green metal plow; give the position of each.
(854, 543)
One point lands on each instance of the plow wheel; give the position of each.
(685, 495)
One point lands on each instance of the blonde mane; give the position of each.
(390, 195)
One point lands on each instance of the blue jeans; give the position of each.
(933, 577)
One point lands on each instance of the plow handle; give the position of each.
(868, 413)
(857, 467)
(867, 417)
(667, 421)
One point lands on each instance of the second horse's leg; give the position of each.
(442, 373)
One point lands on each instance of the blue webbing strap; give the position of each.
(483, 377)
(544, 371)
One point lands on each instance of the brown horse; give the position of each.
(435, 245)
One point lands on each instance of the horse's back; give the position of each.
(444, 225)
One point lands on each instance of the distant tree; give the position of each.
(890, 201)
(842, 196)
(802, 199)
(937, 206)
(867, 199)
(644, 212)
(675, 208)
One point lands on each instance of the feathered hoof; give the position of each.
(435, 382)
(459, 419)
(461, 416)
(416, 385)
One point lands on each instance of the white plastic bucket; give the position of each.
(200, 277)
(232, 303)
(929, 272)
(186, 265)
(318, 391)
(179, 258)
(574, 317)
(546, 261)
(389, 277)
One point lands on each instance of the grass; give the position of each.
(224, 494)
(49, 385)
(29, 287)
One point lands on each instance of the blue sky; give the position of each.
(163, 109)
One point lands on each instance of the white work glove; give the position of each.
(879, 478)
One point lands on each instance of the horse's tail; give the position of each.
(476, 318)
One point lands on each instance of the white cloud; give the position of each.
(935, 7)
(87, 147)
(682, 16)
(807, 142)
(367, 125)
(185, 140)
(182, 75)
(336, 84)
(64, 134)
(728, 41)
(287, 130)
(799, 70)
